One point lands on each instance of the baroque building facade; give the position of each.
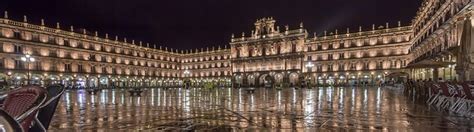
(269, 55)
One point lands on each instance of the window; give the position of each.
(353, 67)
(341, 67)
(80, 68)
(330, 57)
(2, 63)
(19, 64)
(330, 67)
(67, 67)
(310, 58)
(293, 48)
(341, 55)
(250, 53)
(16, 35)
(38, 65)
(18, 49)
(1, 47)
(104, 70)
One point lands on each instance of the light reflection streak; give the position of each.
(302, 109)
(378, 100)
(341, 100)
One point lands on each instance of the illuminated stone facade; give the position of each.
(267, 56)
(84, 59)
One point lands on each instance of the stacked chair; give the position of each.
(446, 96)
(31, 107)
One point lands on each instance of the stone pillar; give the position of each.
(435, 74)
(465, 61)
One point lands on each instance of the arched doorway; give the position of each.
(36, 79)
(266, 81)
(278, 79)
(19, 79)
(93, 82)
(251, 80)
(80, 82)
(238, 80)
(294, 79)
(104, 82)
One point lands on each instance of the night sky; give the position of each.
(186, 24)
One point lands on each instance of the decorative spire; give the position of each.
(140, 43)
(243, 34)
(336, 31)
(96, 33)
(373, 26)
(287, 28)
(399, 24)
(72, 28)
(42, 22)
(360, 28)
(57, 25)
(133, 41)
(148, 45)
(386, 25)
(5, 15)
(116, 38)
(325, 33)
(154, 46)
(125, 40)
(301, 25)
(347, 30)
(232, 36)
(25, 19)
(107, 36)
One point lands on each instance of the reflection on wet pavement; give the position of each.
(230, 109)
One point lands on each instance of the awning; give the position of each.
(429, 64)
(397, 74)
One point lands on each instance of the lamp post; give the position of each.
(27, 59)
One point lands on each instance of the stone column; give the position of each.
(435, 74)
(465, 61)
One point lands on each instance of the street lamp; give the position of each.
(28, 58)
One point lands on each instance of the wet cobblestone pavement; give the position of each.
(227, 109)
